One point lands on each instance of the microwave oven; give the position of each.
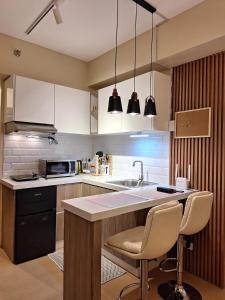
(57, 168)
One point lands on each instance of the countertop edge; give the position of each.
(58, 181)
(98, 216)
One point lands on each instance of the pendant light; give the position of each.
(115, 105)
(150, 108)
(133, 104)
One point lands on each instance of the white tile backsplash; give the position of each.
(155, 170)
(21, 155)
(153, 151)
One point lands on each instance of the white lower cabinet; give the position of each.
(122, 123)
(72, 110)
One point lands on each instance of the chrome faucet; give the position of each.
(141, 176)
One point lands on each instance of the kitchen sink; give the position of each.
(132, 183)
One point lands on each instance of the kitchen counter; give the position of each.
(99, 207)
(100, 181)
(84, 219)
(83, 234)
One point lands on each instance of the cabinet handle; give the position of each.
(23, 223)
(45, 218)
(38, 194)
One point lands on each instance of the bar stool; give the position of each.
(149, 242)
(196, 216)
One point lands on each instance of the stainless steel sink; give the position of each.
(132, 183)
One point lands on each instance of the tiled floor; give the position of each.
(40, 279)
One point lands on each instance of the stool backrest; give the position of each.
(196, 213)
(161, 229)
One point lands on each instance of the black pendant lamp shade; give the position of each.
(150, 109)
(133, 107)
(115, 105)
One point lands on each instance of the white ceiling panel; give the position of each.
(88, 28)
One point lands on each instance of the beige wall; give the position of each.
(195, 33)
(41, 63)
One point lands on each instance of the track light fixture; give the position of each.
(52, 5)
(57, 14)
(115, 105)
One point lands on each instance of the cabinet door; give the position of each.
(138, 122)
(162, 94)
(67, 191)
(72, 110)
(34, 236)
(94, 114)
(8, 100)
(34, 101)
(91, 190)
(107, 123)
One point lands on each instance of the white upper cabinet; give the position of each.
(162, 94)
(137, 122)
(33, 100)
(107, 123)
(72, 110)
(122, 123)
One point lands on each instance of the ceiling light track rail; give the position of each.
(146, 5)
(41, 16)
(52, 6)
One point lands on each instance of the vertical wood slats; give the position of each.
(195, 85)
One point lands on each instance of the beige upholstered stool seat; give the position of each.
(196, 216)
(151, 241)
(129, 240)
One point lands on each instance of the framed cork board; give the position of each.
(193, 123)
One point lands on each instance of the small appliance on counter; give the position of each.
(25, 177)
(79, 166)
(57, 168)
(183, 182)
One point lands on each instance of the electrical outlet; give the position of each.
(191, 246)
(188, 245)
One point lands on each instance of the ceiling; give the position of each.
(88, 28)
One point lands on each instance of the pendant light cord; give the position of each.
(151, 64)
(117, 25)
(135, 48)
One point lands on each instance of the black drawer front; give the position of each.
(35, 200)
(34, 236)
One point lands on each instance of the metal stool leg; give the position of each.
(126, 288)
(144, 280)
(144, 284)
(179, 290)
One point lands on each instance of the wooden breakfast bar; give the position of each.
(83, 234)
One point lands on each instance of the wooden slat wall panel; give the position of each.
(201, 84)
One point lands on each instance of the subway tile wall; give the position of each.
(21, 154)
(153, 151)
